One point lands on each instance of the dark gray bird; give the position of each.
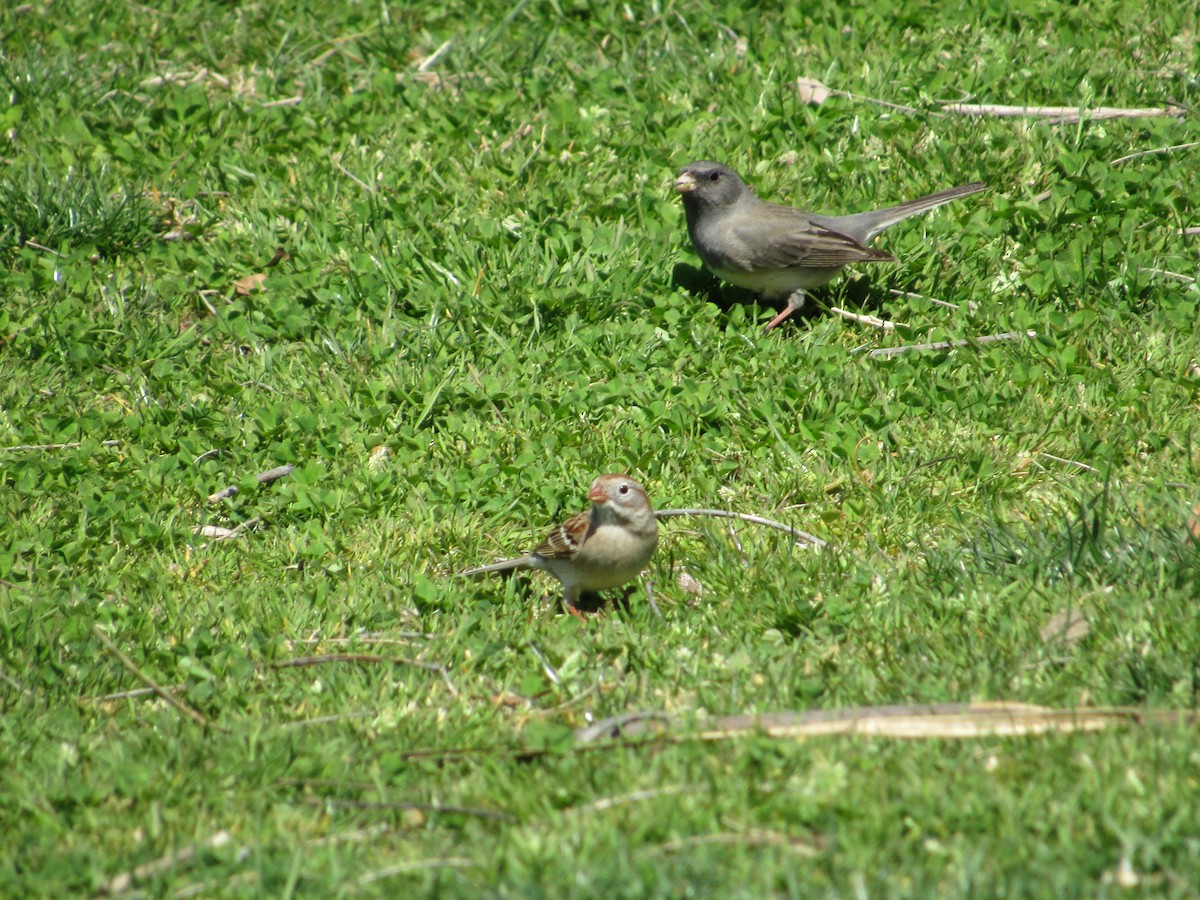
(776, 250)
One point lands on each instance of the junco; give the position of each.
(600, 548)
(776, 250)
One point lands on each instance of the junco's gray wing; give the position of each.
(779, 237)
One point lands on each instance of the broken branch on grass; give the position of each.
(909, 295)
(119, 884)
(217, 533)
(132, 668)
(324, 659)
(67, 446)
(132, 694)
(1186, 279)
(333, 803)
(802, 537)
(753, 838)
(449, 862)
(401, 637)
(1068, 462)
(1059, 115)
(862, 319)
(362, 184)
(814, 93)
(950, 345)
(605, 803)
(433, 57)
(327, 658)
(262, 478)
(938, 721)
(1154, 152)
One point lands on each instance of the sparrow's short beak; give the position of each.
(686, 183)
(598, 495)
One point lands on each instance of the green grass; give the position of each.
(487, 275)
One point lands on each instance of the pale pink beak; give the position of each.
(686, 183)
(598, 495)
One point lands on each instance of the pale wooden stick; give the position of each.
(950, 345)
(67, 446)
(162, 692)
(1069, 462)
(1187, 279)
(262, 478)
(123, 882)
(1155, 151)
(802, 537)
(1060, 114)
(863, 319)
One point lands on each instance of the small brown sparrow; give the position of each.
(603, 547)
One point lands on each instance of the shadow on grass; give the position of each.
(854, 293)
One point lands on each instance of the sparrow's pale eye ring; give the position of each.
(624, 489)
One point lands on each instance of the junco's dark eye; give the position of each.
(715, 176)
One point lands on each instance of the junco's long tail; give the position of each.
(864, 226)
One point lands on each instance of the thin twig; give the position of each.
(950, 345)
(809, 83)
(210, 887)
(1186, 279)
(546, 667)
(1155, 151)
(362, 184)
(334, 803)
(909, 295)
(121, 883)
(130, 694)
(1062, 115)
(649, 589)
(36, 246)
(433, 57)
(606, 803)
(404, 637)
(449, 862)
(262, 478)
(873, 321)
(286, 101)
(13, 683)
(802, 537)
(162, 692)
(752, 838)
(1190, 230)
(68, 446)
(1069, 462)
(325, 659)
(326, 720)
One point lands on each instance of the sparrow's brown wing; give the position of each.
(565, 540)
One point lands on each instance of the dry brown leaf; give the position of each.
(250, 283)
(811, 91)
(689, 585)
(1066, 627)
